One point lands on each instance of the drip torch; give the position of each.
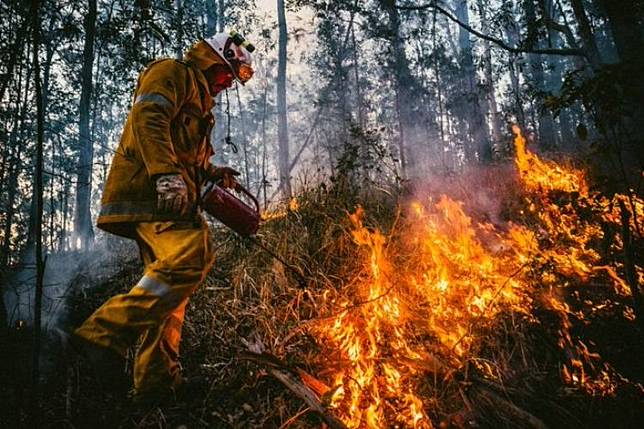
(240, 217)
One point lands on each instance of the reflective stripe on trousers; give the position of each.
(177, 257)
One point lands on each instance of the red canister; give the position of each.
(230, 210)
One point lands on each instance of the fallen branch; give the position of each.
(519, 417)
(290, 380)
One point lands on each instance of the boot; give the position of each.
(107, 366)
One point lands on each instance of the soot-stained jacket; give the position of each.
(166, 132)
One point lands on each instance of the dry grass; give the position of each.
(512, 378)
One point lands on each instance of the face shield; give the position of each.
(236, 51)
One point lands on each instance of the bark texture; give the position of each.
(82, 219)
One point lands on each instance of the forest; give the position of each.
(450, 197)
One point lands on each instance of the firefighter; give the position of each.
(152, 196)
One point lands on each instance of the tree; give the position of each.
(38, 184)
(82, 219)
(282, 110)
(478, 146)
(538, 77)
(626, 26)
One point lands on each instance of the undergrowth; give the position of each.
(514, 379)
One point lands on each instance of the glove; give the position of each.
(172, 194)
(224, 176)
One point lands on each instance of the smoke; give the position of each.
(66, 274)
(485, 191)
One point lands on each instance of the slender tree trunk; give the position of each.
(439, 94)
(15, 55)
(82, 220)
(544, 117)
(264, 145)
(12, 193)
(493, 111)
(40, 263)
(585, 31)
(64, 245)
(356, 72)
(405, 97)
(178, 50)
(478, 128)
(16, 141)
(9, 148)
(244, 137)
(513, 36)
(221, 19)
(282, 128)
(28, 256)
(211, 17)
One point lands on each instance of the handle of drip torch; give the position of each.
(299, 276)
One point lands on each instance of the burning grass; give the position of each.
(449, 307)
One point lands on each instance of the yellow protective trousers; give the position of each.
(177, 257)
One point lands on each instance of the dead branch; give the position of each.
(518, 416)
(291, 381)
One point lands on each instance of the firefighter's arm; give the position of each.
(161, 92)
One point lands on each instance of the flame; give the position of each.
(542, 176)
(422, 296)
(281, 212)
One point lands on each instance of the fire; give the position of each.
(281, 212)
(452, 277)
(541, 176)
(424, 294)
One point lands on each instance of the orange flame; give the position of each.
(417, 304)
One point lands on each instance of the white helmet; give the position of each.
(236, 51)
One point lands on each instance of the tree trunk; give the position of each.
(513, 37)
(403, 82)
(493, 111)
(282, 128)
(478, 129)
(16, 141)
(545, 121)
(211, 17)
(221, 22)
(15, 54)
(178, 50)
(586, 33)
(82, 218)
(356, 72)
(28, 256)
(40, 263)
(624, 20)
(12, 192)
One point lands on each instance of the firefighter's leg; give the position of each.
(156, 366)
(183, 257)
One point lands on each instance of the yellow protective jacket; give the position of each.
(167, 131)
